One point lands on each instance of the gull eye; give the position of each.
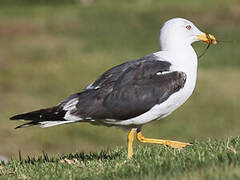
(189, 27)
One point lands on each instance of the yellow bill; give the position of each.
(210, 39)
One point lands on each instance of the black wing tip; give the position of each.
(27, 125)
(21, 126)
(23, 117)
(13, 118)
(17, 117)
(18, 127)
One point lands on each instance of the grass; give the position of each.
(50, 51)
(211, 159)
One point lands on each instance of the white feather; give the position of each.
(69, 117)
(92, 87)
(70, 105)
(46, 124)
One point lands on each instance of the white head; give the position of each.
(181, 32)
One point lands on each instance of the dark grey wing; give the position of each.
(123, 92)
(129, 90)
(117, 72)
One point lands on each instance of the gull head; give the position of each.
(179, 32)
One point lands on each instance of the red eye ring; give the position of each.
(189, 27)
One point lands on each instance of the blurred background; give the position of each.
(51, 49)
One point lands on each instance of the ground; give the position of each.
(212, 159)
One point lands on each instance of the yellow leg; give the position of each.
(173, 144)
(130, 142)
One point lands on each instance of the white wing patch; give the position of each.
(162, 73)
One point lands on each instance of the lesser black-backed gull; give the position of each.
(136, 92)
